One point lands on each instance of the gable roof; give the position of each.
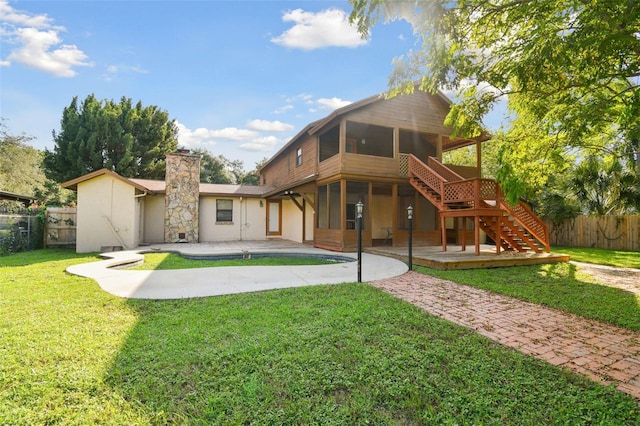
(158, 186)
(318, 125)
(73, 183)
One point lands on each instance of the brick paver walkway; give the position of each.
(603, 352)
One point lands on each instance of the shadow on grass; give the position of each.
(558, 285)
(342, 354)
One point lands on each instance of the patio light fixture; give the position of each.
(410, 217)
(359, 207)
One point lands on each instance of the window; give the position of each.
(329, 145)
(299, 156)
(224, 210)
(369, 139)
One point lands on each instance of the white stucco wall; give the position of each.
(291, 221)
(154, 218)
(106, 197)
(249, 220)
(309, 223)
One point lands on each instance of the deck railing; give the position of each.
(528, 220)
(426, 175)
(448, 174)
(470, 191)
(403, 165)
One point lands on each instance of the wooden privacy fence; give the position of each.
(60, 227)
(608, 232)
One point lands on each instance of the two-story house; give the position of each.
(385, 153)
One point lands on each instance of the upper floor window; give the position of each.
(299, 156)
(369, 139)
(329, 143)
(224, 210)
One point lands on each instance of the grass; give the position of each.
(160, 261)
(619, 258)
(340, 354)
(559, 285)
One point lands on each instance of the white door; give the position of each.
(274, 218)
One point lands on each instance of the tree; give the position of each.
(129, 140)
(253, 177)
(603, 187)
(571, 68)
(214, 169)
(20, 170)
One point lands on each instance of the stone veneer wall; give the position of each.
(182, 198)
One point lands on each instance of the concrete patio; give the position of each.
(216, 281)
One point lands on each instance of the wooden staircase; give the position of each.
(513, 228)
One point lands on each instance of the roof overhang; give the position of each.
(73, 183)
(280, 190)
(11, 196)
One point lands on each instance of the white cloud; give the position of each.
(193, 138)
(328, 28)
(12, 16)
(269, 126)
(202, 135)
(332, 103)
(248, 140)
(40, 45)
(261, 144)
(233, 134)
(113, 71)
(300, 97)
(283, 109)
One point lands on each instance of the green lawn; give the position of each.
(339, 354)
(157, 261)
(624, 259)
(559, 285)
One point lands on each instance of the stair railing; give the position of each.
(448, 174)
(426, 175)
(528, 220)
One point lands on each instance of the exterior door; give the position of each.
(274, 217)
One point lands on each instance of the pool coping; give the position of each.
(224, 280)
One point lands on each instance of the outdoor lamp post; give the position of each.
(359, 207)
(410, 217)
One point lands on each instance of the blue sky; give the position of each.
(240, 77)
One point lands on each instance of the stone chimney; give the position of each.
(182, 197)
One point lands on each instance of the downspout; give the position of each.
(241, 224)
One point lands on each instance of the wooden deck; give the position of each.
(455, 258)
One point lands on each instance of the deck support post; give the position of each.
(499, 234)
(477, 232)
(464, 234)
(443, 230)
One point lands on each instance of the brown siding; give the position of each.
(370, 165)
(329, 167)
(283, 170)
(328, 238)
(418, 111)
